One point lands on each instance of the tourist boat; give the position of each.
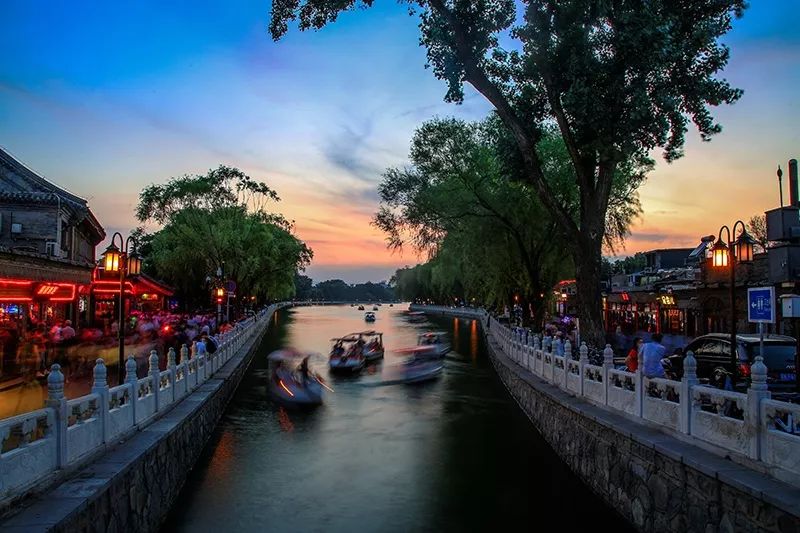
(391, 305)
(435, 342)
(373, 345)
(347, 354)
(416, 316)
(369, 316)
(292, 382)
(374, 307)
(418, 369)
(360, 307)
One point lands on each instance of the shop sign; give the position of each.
(761, 304)
(666, 300)
(56, 292)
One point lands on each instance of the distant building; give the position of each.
(667, 258)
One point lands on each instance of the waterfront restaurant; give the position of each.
(668, 313)
(142, 293)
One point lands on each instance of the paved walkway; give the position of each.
(28, 393)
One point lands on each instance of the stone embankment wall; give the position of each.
(133, 486)
(658, 481)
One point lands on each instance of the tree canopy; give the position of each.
(336, 290)
(217, 222)
(618, 79)
(488, 235)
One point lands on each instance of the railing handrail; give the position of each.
(680, 406)
(55, 450)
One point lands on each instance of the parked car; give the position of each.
(713, 351)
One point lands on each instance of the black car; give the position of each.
(713, 354)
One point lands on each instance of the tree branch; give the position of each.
(527, 145)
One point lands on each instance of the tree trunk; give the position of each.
(537, 305)
(587, 255)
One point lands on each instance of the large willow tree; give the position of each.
(618, 78)
(219, 222)
(489, 236)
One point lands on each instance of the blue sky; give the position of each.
(104, 99)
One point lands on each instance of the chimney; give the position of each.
(794, 197)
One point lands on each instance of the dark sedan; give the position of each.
(713, 354)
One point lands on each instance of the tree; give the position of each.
(218, 222)
(458, 191)
(303, 286)
(618, 79)
(757, 226)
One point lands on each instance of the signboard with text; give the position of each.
(761, 304)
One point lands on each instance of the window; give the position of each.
(776, 356)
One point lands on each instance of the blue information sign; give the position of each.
(761, 304)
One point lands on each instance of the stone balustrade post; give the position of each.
(608, 366)
(583, 360)
(132, 380)
(173, 371)
(567, 358)
(57, 401)
(756, 392)
(100, 387)
(688, 381)
(154, 375)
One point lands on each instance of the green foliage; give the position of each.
(618, 79)
(627, 265)
(303, 286)
(488, 235)
(210, 223)
(336, 290)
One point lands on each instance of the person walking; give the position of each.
(652, 354)
(632, 360)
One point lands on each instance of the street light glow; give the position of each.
(111, 258)
(719, 254)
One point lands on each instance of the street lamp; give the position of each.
(124, 260)
(219, 292)
(726, 255)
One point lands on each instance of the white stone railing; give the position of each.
(65, 433)
(750, 424)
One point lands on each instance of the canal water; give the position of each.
(455, 454)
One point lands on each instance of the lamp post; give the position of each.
(123, 260)
(726, 255)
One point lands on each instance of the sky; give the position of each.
(104, 99)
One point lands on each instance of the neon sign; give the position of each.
(666, 299)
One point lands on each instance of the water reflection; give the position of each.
(450, 455)
(473, 340)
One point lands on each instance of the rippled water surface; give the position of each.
(455, 454)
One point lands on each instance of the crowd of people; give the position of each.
(28, 348)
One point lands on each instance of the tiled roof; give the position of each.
(18, 183)
(16, 177)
